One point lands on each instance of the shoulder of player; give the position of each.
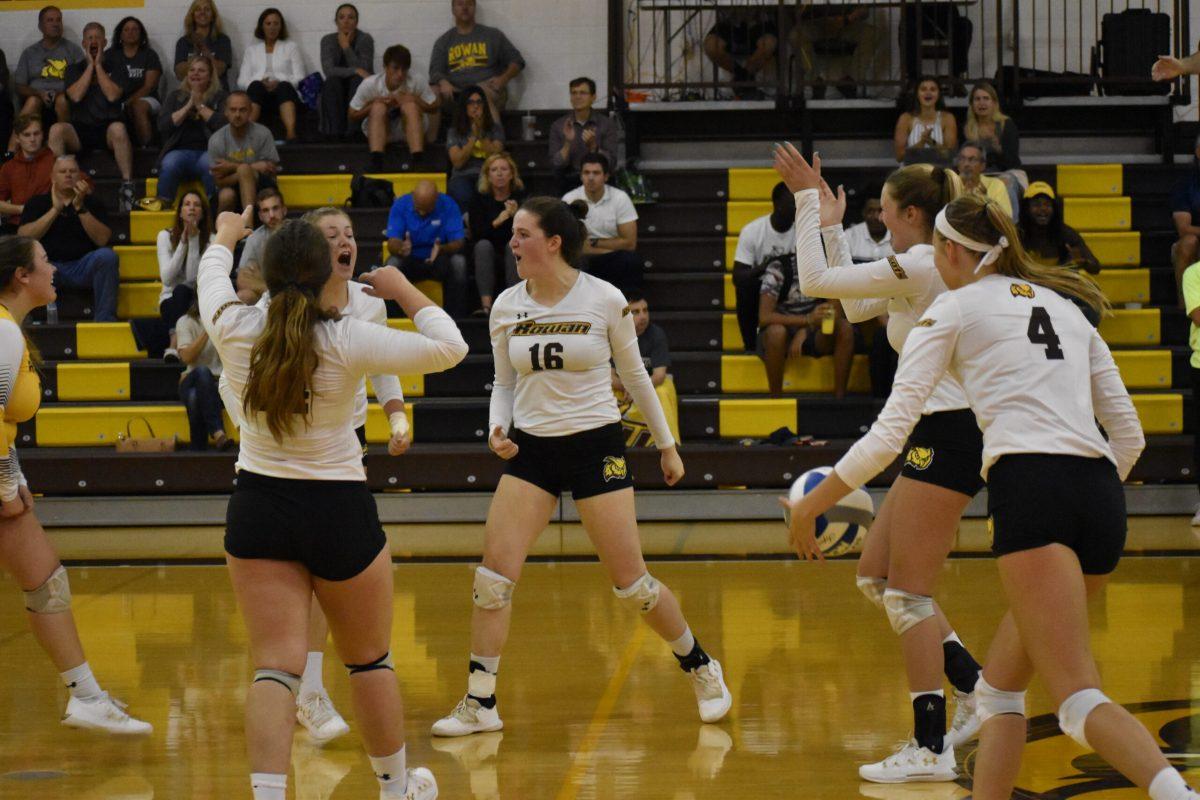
(361, 304)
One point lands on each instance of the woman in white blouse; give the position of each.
(179, 249)
(271, 71)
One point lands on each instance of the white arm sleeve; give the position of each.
(926, 356)
(837, 251)
(889, 277)
(216, 292)
(387, 386)
(500, 408)
(171, 263)
(1114, 409)
(622, 339)
(437, 346)
(12, 348)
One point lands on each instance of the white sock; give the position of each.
(82, 682)
(489, 663)
(312, 681)
(953, 637)
(391, 773)
(267, 786)
(915, 695)
(1169, 785)
(684, 644)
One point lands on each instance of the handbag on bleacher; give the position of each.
(128, 443)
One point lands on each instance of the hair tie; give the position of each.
(991, 252)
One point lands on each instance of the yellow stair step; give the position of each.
(745, 374)
(730, 251)
(145, 225)
(757, 418)
(1089, 180)
(138, 299)
(1125, 285)
(1098, 213)
(84, 381)
(731, 334)
(1144, 369)
(1160, 413)
(138, 262)
(1115, 249)
(378, 429)
(1132, 327)
(112, 340)
(751, 184)
(738, 214)
(311, 191)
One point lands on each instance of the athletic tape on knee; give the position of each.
(492, 590)
(873, 589)
(285, 679)
(1073, 713)
(53, 596)
(906, 610)
(992, 702)
(641, 595)
(383, 662)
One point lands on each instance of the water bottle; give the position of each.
(52, 313)
(528, 127)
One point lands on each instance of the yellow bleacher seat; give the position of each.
(739, 213)
(731, 334)
(1131, 327)
(138, 262)
(745, 374)
(311, 191)
(1160, 413)
(738, 418)
(751, 184)
(1118, 249)
(729, 293)
(138, 299)
(1144, 369)
(1092, 180)
(1098, 213)
(730, 251)
(145, 225)
(1125, 285)
(112, 340)
(87, 381)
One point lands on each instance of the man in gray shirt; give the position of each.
(272, 211)
(578, 133)
(469, 54)
(242, 155)
(40, 76)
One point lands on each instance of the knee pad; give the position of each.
(641, 595)
(285, 679)
(383, 662)
(53, 596)
(492, 590)
(1073, 713)
(906, 610)
(992, 702)
(873, 589)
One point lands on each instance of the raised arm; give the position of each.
(1113, 408)
(438, 346)
(837, 250)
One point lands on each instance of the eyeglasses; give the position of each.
(475, 101)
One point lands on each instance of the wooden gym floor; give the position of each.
(595, 706)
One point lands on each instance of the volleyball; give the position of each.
(841, 529)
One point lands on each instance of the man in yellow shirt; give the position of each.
(970, 165)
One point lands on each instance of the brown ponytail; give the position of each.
(17, 252)
(295, 268)
(926, 187)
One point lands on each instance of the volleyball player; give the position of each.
(554, 420)
(26, 283)
(1038, 376)
(301, 518)
(915, 528)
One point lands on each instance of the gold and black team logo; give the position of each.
(927, 322)
(894, 263)
(615, 468)
(1021, 290)
(918, 457)
(626, 311)
(551, 328)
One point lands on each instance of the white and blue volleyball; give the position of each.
(841, 529)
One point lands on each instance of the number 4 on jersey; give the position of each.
(551, 356)
(1041, 331)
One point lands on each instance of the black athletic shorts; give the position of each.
(92, 137)
(1037, 499)
(332, 527)
(587, 463)
(946, 449)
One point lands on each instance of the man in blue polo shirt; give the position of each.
(425, 239)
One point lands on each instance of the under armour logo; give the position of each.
(522, 315)
(387, 776)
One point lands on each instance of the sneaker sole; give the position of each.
(81, 725)
(931, 777)
(498, 726)
(724, 711)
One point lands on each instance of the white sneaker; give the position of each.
(966, 722)
(316, 712)
(103, 713)
(1196, 519)
(421, 786)
(911, 764)
(712, 695)
(468, 717)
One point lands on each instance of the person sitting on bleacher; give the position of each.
(136, 68)
(97, 118)
(25, 174)
(870, 240)
(926, 133)
(970, 164)
(67, 222)
(425, 238)
(1045, 236)
(241, 156)
(469, 55)
(198, 383)
(40, 76)
(202, 36)
(179, 249)
(188, 119)
(761, 241)
(490, 215)
(474, 136)
(581, 131)
(271, 71)
(656, 355)
(1185, 213)
(742, 44)
(393, 107)
(272, 211)
(347, 59)
(997, 133)
(609, 253)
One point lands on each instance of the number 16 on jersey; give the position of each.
(550, 356)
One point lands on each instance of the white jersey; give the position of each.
(323, 445)
(902, 285)
(552, 363)
(1036, 372)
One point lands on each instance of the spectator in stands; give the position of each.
(998, 135)
(67, 222)
(202, 36)
(870, 240)
(761, 241)
(1190, 295)
(190, 116)
(272, 211)
(1185, 213)
(198, 383)
(656, 355)
(578, 133)
(926, 133)
(491, 213)
(609, 253)
(134, 66)
(6, 107)
(179, 250)
(395, 106)
(426, 239)
(742, 43)
(837, 44)
(470, 55)
(27, 173)
(940, 22)
(793, 324)
(474, 137)
(969, 165)
(97, 119)
(271, 70)
(1046, 237)
(41, 73)
(347, 59)
(241, 155)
